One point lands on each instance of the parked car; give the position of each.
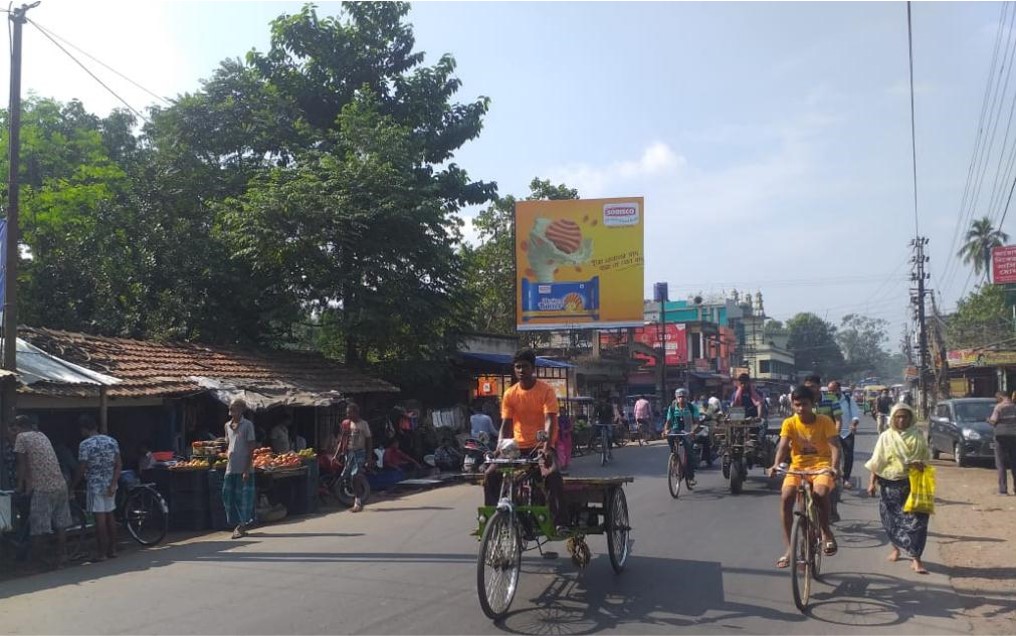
(960, 427)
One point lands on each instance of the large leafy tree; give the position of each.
(490, 265)
(813, 342)
(357, 216)
(862, 341)
(982, 318)
(980, 239)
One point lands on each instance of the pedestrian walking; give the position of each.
(238, 483)
(100, 464)
(850, 417)
(898, 449)
(1003, 420)
(357, 445)
(39, 476)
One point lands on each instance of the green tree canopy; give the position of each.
(982, 318)
(813, 342)
(862, 341)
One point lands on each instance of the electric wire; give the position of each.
(100, 62)
(913, 129)
(952, 260)
(93, 75)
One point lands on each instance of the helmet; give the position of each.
(680, 393)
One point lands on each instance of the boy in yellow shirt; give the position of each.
(813, 441)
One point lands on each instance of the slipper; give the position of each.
(921, 571)
(783, 562)
(829, 548)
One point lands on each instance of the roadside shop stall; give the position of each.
(178, 394)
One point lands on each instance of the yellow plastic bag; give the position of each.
(922, 491)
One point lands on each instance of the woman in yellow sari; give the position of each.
(899, 448)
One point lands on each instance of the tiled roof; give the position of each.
(156, 369)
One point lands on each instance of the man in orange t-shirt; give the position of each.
(529, 411)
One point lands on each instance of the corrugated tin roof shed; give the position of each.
(155, 369)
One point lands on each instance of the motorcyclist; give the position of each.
(682, 416)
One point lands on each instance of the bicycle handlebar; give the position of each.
(804, 473)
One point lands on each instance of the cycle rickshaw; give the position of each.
(521, 521)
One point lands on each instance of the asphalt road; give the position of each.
(704, 563)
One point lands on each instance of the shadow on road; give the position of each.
(874, 600)
(671, 593)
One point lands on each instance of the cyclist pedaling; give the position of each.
(813, 442)
(683, 416)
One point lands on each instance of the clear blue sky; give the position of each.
(770, 140)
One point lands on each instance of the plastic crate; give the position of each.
(194, 520)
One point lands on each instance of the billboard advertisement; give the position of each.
(1003, 265)
(675, 338)
(579, 264)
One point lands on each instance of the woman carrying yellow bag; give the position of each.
(901, 451)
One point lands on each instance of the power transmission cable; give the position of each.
(93, 76)
(913, 129)
(952, 259)
(100, 62)
(995, 112)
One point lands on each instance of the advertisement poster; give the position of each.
(676, 343)
(579, 264)
(1003, 265)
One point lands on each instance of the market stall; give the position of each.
(286, 483)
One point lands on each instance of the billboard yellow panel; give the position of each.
(579, 264)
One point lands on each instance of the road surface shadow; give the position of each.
(670, 593)
(876, 600)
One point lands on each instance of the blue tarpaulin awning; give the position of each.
(506, 360)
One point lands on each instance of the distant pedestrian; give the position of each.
(238, 484)
(357, 445)
(898, 449)
(481, 425)
(39, 476)
(99, 461)
(850, 417)
(882, 407)
(1003, 419)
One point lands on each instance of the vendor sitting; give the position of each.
(395, 458)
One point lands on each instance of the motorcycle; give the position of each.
(475, 451)
(702, 440)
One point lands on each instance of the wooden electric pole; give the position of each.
(10, 313)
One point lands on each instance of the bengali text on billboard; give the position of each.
(1003, 265)
(579, 264)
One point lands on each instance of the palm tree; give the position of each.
(980, 239)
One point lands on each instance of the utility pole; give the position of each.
(10, 316)
(919, 276)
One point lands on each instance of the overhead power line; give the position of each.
(87, 70)
(49, 32)
(913, 129)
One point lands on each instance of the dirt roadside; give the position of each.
(974, 527)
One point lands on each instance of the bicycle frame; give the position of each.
(516, 498)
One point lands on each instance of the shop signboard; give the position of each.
(488, 386)
(560, 386)
(675, 338)
(1003, 265)
(579, 264)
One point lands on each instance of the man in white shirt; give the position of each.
(481, 425)
(850, 417)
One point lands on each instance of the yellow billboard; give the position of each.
(579, 264)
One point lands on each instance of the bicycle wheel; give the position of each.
(800, 562)
(498, 565)
(76, 533)
(816, 551)
(618, 530)
(604, 446)
(675, 476)
(146, 515)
